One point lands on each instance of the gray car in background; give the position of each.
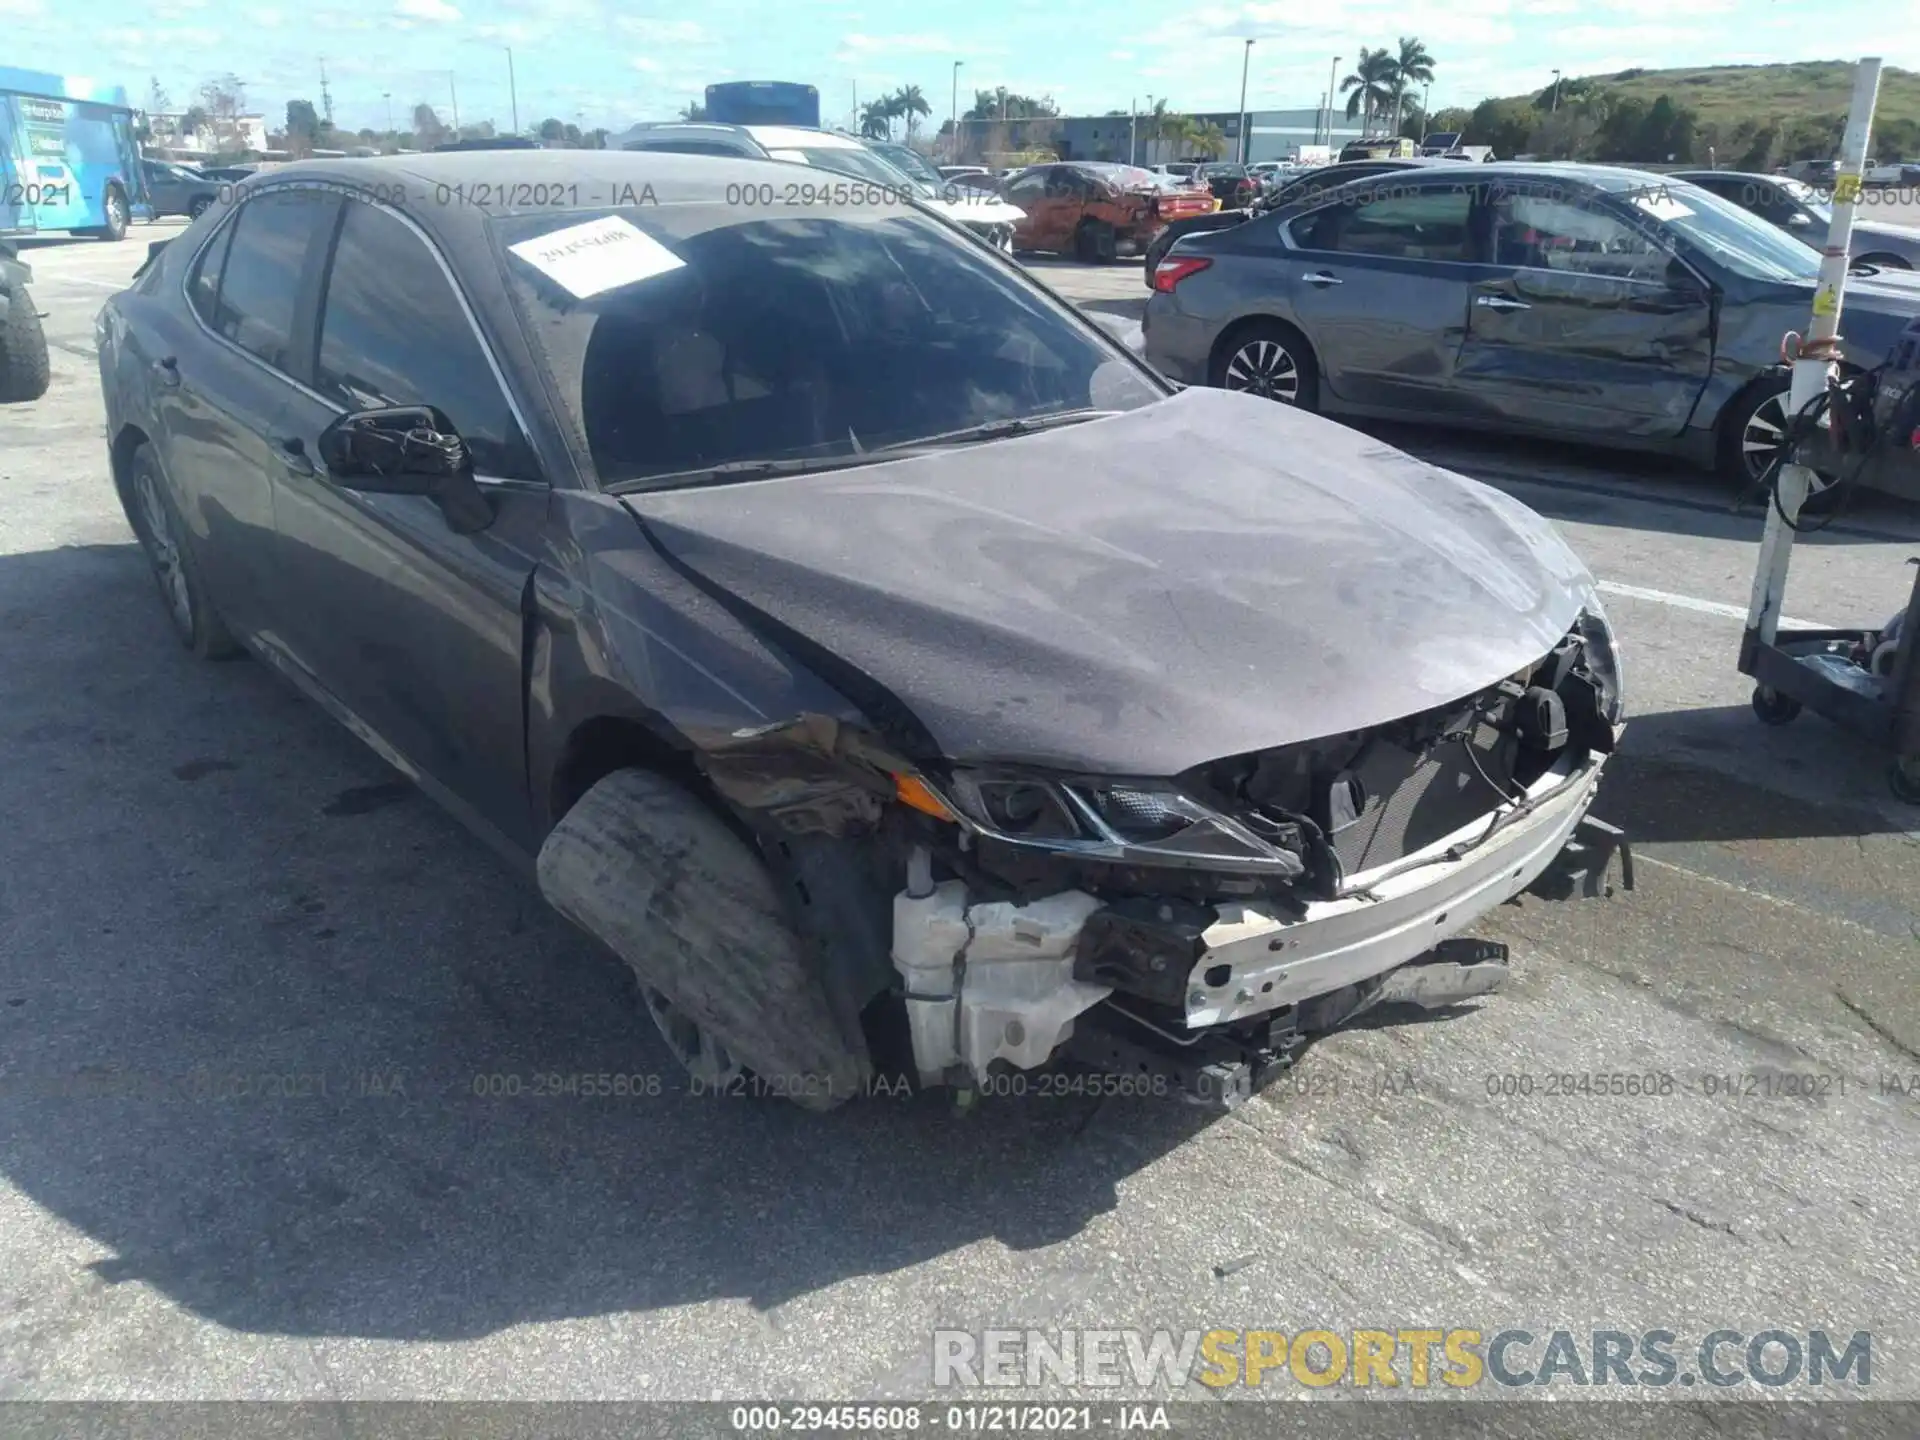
(1806, 214)
(176, 190)
(1568, 301)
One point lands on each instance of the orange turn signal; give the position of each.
(912, 790)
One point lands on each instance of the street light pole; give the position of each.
(1246, 56)
(454, 92)
(387, 95)
(1554, 104)
(1333, 72)
(953, 115)
(513, 93)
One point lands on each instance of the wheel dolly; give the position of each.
(1865, 680)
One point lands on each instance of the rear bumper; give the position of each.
(1178, 346)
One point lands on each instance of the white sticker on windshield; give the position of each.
(1660, 204)
(602, 254)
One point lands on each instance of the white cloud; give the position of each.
(1120, 55)
(427, 9)
(511, 32)
(900, 44)
(22, 8)
(647, 64)
(663, 32)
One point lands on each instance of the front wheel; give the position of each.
(1270, 360)
(1093, 243)
(1884, 262)
(198, 206)
(1773, 708)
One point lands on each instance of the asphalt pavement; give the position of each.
(272, 1030)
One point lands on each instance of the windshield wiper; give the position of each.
(733, 470)
(1002, 429)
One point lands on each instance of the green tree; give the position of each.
(876, 118)
(194, 121)
(303, 127)
(1371, 86)
(552, 129)
(1506, 125)
(693, 110)
(910, 105)
(1412, 66)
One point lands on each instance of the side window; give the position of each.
(1027, 187)
(1538, 232)
(1402, 224)
(1063, 185)
(393, 332)
(203, 285)
(1769, 202)
(261, 274)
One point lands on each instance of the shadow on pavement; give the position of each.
(272, 1029)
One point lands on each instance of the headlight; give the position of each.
(1137, 822)
(1603, 658)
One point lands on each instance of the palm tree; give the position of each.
(910, 104)
(1371, 83)
(876, 118)
(1412, 66)
(1206, 138)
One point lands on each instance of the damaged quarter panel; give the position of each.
(621, 623)
(1088, 597)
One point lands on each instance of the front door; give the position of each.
(1379, 281)
(1583, 324)
(1029, 193)
(414, 629)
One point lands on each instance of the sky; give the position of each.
(603, 63)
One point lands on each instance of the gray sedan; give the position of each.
(1567, 301)
(809, 599)
(1804, 213)
(177, 190)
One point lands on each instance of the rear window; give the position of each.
(800, 334)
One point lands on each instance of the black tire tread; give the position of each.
(649, 869)
(25, 366)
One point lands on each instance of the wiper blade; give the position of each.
(733, 470)
(1003, 429)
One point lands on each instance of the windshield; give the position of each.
(855, 160)
(910, 162)
(1811, 198)
(814, 333)
(1726, 234)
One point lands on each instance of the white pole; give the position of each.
(1817, 354)
(1246, 55)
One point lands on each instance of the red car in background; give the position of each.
(1097, 211)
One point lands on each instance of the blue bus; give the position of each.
(68, 157)
(764, 102)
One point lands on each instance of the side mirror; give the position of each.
(407, 450)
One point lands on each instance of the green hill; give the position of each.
(1750, 116)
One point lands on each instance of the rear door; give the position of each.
(219, 395)
(1585, 323)
(1379, 279)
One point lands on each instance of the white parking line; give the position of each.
(1691, 602)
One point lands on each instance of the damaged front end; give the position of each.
(1198, 927)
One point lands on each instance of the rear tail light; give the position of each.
(1175, 268)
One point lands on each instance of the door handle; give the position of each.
(167, 370)
(293, 454)
(1322, 278)
(1500, 302)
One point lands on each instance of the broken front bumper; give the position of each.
(1001, 984)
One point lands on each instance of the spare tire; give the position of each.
(657, 875)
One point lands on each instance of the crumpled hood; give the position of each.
(1206, 576)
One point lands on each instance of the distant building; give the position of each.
(1272, 135)
(243, 132)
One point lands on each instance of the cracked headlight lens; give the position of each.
(1147, 823)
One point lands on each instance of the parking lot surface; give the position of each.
(270, 1025)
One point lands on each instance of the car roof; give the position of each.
(795, 137)
(502, 182)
